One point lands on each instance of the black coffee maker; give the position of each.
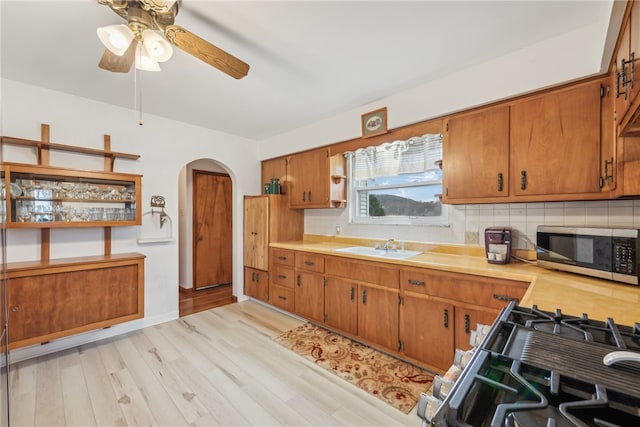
(497, 244)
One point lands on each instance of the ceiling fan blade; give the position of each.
(206, 52)
(119, 64)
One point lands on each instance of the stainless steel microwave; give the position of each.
(607, 253)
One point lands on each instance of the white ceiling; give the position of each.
(309, 60)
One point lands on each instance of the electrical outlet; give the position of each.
(337, 230)
(471, 237)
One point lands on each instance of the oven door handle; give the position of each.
(620, 356)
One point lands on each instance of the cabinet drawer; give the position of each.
(478, 290)
(281, 275)
(281, 297)
(363, 271)
(310, 262)
(282, 257)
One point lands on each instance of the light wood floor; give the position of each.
(218, 367)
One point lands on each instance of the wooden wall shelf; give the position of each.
(69, 148)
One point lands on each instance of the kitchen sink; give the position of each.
(380, 253)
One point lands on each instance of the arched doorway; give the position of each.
(205, 236)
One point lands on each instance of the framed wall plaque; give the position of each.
(374, 123)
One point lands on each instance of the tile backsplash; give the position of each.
(522, 217)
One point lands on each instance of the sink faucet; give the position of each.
(387, 244)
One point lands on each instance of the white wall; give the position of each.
(165, 147)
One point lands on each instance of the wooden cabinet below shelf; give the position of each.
(54, 299)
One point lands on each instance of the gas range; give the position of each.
(539, 368)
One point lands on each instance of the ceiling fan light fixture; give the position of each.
(116, 38)
(144, 61)
(157, 47)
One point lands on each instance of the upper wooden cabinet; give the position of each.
(51, 197)
(555, 142)
(316, 180)
(553, 146)
(276, 168)
(626, 73)
(475, 152)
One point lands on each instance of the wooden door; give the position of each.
(467, 320)
(378, 315)
(212, 233)
(341, 304)
(555, 142)
(309, 295)
(427, 330)
(256, 239)
(475, 153)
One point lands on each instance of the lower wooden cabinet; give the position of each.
(256, 283)
(420, 314)
(309, 295)
(428, 330)
(64, 297)
(282, 297)
(378, 315)
(341, 304)
(440, 309)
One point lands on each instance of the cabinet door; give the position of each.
(309, 179)
(467, 320)
(256, 283)
(555, 142)
(256, 220)
(378, 315)
(341, 305)
(40, 307)
(428, 330)
(309, 295)
(114, 295)
(475, 155)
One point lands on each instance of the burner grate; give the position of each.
(580, 360)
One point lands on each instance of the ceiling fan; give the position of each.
(148, 36)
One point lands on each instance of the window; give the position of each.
(397, 183)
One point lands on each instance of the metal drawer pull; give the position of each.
(282, 258)
(416, 282)
(309, 263)
(353, 293)
(504, 298)
(282, 297)
(467, 324)
(281, 276)
(364, 296)
(523, 180)
(298, 280)
(500, 181)
(446, 318)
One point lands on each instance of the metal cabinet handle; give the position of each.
(416, 282)
(304, 196)
(523, 180)
(281, 276)
(15, 309)
(504, 298)
(467, 324)
(298, 280)
(253, 276)
(500, 181)
(445, 318)
(352, 294)
(282, 297)
(282, 258)
(309, 262)
(257, 277)
(364, 296)
(309, 195)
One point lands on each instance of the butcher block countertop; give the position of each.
(573, 294)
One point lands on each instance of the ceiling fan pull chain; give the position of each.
(137, 76)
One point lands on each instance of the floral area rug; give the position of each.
(395, 382)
